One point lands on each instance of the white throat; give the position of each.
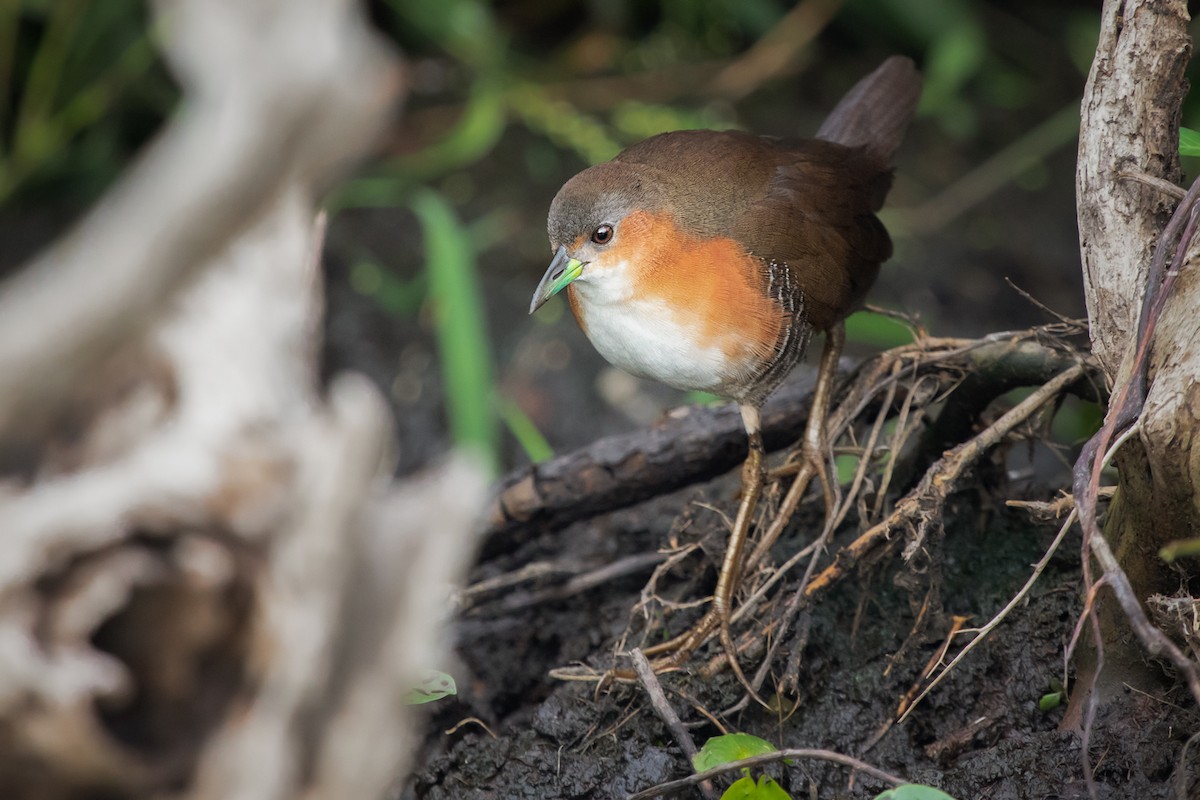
(645, 337)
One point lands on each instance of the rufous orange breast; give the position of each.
(692, 313)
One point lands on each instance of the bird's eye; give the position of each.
(603, 234)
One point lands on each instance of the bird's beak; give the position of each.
(563, 269)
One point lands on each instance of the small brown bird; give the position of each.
(707, 259)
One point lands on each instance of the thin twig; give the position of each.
(1038, 304)
(983, 632)
(1166, 187)
(941, 478)
(658, 701)
(629, 565)
(673, 787)
(1181, 772)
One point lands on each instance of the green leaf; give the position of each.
(730, 747)
(913, 791)
(1189, 142)
(435, 686)
(745, 788)
(768, 789)
(462, 338)
(847, 467)
(1050, 701)
(1179, 549)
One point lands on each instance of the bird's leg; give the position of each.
(753, 477)
(815, 448)
(815, 455)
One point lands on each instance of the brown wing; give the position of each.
(817, 217)
(807, 205)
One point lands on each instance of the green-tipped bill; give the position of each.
(563, 269)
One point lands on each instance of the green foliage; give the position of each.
(1053, 698)
(1189, 142)
(1179, 549)
(1050, 701)
(398, 297)
(434, 686)
(728, 748)
(744, 788)
(66, 69)
(913, 791)
(529, 438)
(876, 330)
(1076, 421)
(846, 466)
(563, 124)
(734, 747)
(462, 338)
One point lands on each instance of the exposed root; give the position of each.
(889, 406)
(982, 633)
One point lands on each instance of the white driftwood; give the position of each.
(276, 91)
(186, 496)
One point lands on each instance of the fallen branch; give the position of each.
(698, 444)
(692, 445)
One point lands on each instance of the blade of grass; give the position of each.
(535, 446)
(9, 23)
(41, 87)
(461, 334)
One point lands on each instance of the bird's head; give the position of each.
(597, 223)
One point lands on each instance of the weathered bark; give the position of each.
(209, 589)
(1130, 124)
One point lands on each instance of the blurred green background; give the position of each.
(438, 242)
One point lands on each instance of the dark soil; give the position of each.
(980, 734)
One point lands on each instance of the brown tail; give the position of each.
(875, 114)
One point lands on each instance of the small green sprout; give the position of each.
(735, 747)
(434, 686)
(913, 791)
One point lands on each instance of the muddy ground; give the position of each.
(979, 735)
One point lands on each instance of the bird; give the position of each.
(706, 260)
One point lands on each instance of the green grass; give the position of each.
(454, 291)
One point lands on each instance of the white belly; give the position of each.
(645, 339)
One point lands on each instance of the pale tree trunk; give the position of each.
(1130, 126)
